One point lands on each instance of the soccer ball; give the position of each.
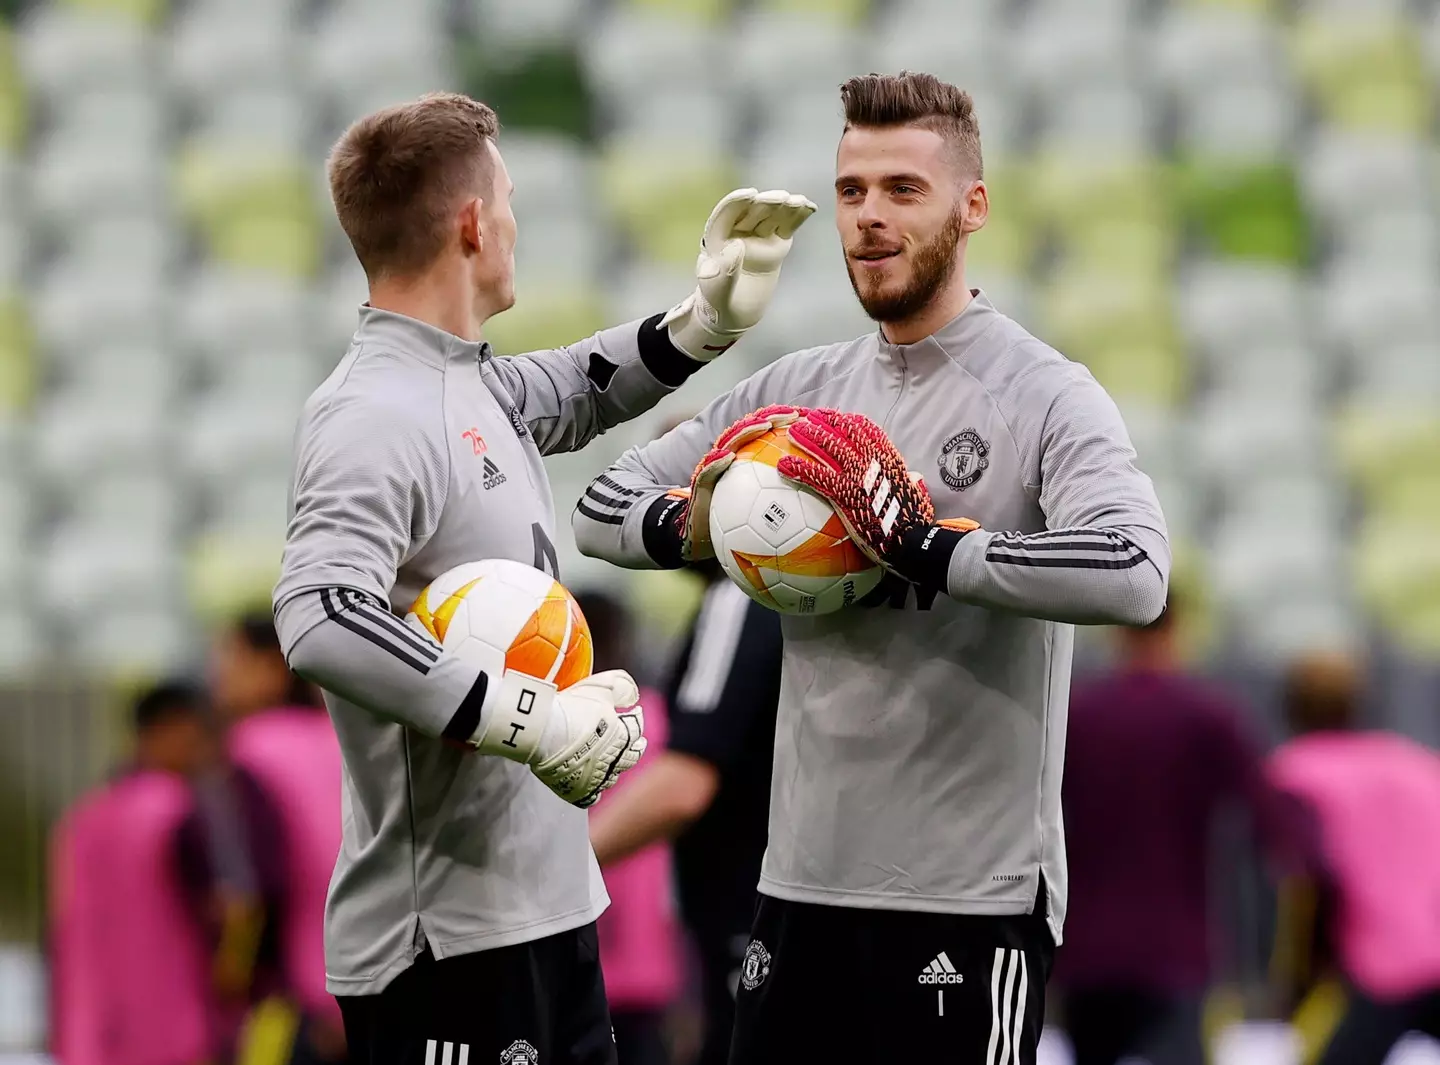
(515, 612)
(779, 541)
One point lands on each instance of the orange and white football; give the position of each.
(780, 542)
(513, 609)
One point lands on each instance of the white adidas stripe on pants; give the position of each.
(446, 1052)
(1007, 1008)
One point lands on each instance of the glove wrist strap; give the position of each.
(515, 716)
(662, 534)
(924, 555)
(694, 329)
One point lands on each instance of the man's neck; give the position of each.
(445, 306)
(935, 316)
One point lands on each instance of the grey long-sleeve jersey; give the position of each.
(419, 453)
(920, 742)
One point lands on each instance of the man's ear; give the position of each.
(472, 236)
(977, 207)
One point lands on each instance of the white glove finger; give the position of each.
(761, 210)
(797, 210)
(618, 685)
(637, 715)
(727, 212)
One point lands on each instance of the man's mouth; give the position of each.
(875, 255)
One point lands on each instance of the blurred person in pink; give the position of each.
(1154, 756)
(130, 966)
(639, 933)
(280, 734)
(1365, 905)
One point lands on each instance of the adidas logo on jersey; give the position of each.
(493, 476)
(940, 971)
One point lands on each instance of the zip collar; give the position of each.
(413, 339)
(950, 341)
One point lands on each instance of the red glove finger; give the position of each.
(757, 422)
(825, 445)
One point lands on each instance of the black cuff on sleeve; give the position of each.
(666, 363)
(925, 553)
(661, 534)
(467, 716)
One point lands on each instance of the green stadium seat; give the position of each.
(14, 104)
(546, 316)
(149, 12)
(661, 191)
(17, 355)
(1380, 443)
(1364, 70)
(1123, 329)
(230, 571)
(254, 209)
(1241, 210)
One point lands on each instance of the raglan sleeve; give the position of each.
(1104, 555)
(369, 485)
(570, 395)
(624, 514)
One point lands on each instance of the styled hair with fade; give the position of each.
(880, 101)
(395, 177)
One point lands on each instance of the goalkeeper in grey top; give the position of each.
(461, 913)
(916, 842)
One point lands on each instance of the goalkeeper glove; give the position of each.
(886, 509)
(577, 741)
(745, 242)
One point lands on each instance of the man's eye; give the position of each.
(850, 190)
(906, 190)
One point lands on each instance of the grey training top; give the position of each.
(419, 453)
(920, 743)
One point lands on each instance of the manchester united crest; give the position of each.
(756, 965)
(520, 1053)
(963, 459)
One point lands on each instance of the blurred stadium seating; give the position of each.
(1226, 208)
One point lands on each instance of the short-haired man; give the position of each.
(913, 887)
(460, 921)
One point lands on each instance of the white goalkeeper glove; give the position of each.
(577, 741)
(745, 243)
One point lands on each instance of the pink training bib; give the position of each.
(293, 753)
(1377, 797)
(639, 938)
(131, 974)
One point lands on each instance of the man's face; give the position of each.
(902, 209)
(495, 274)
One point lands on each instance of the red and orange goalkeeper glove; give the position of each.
(691, 514)
(886, 509)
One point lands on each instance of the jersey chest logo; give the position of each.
(963, 459)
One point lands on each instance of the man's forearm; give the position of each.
(623, 518)
(1082, 576)
(657, 805)
(350, 645)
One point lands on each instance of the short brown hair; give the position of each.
(395, 176)
(877, 101)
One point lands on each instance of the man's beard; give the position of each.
(934, 265)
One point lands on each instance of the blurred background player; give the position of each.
(462, 909)
(131, 959)
(640, 948)
(1154, 757)
(278, 731)
(709, 790)
(915, 812)
(1358, 923)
